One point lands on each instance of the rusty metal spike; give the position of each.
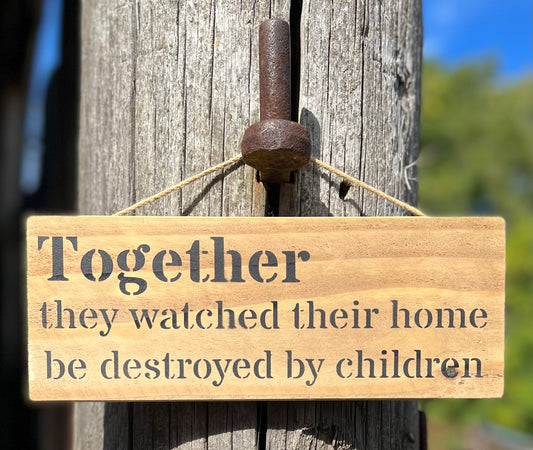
(275, 146)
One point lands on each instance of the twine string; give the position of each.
(351, 180)
(355, 182)
(177, 187)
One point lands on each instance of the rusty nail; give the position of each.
(275, 146)
(275, 70)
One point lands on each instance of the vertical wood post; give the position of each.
(168, 88)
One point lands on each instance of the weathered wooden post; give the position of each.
(168, 88)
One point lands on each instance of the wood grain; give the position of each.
(360, 100)
(277, 308)
(114, 120)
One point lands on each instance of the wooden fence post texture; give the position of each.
(167, 90)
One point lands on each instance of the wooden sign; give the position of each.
(175, 308)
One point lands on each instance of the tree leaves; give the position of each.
(476, 159)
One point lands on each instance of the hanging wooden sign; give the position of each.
(176, 308)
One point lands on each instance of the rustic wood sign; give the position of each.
(162, 308)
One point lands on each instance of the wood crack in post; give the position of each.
(294, 22)
(135, 18)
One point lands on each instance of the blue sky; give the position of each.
(47, 44)
(46, 57)
(455, 32)
(459, 31)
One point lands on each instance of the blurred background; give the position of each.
(476, 158)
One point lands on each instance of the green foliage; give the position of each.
(476, 159)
